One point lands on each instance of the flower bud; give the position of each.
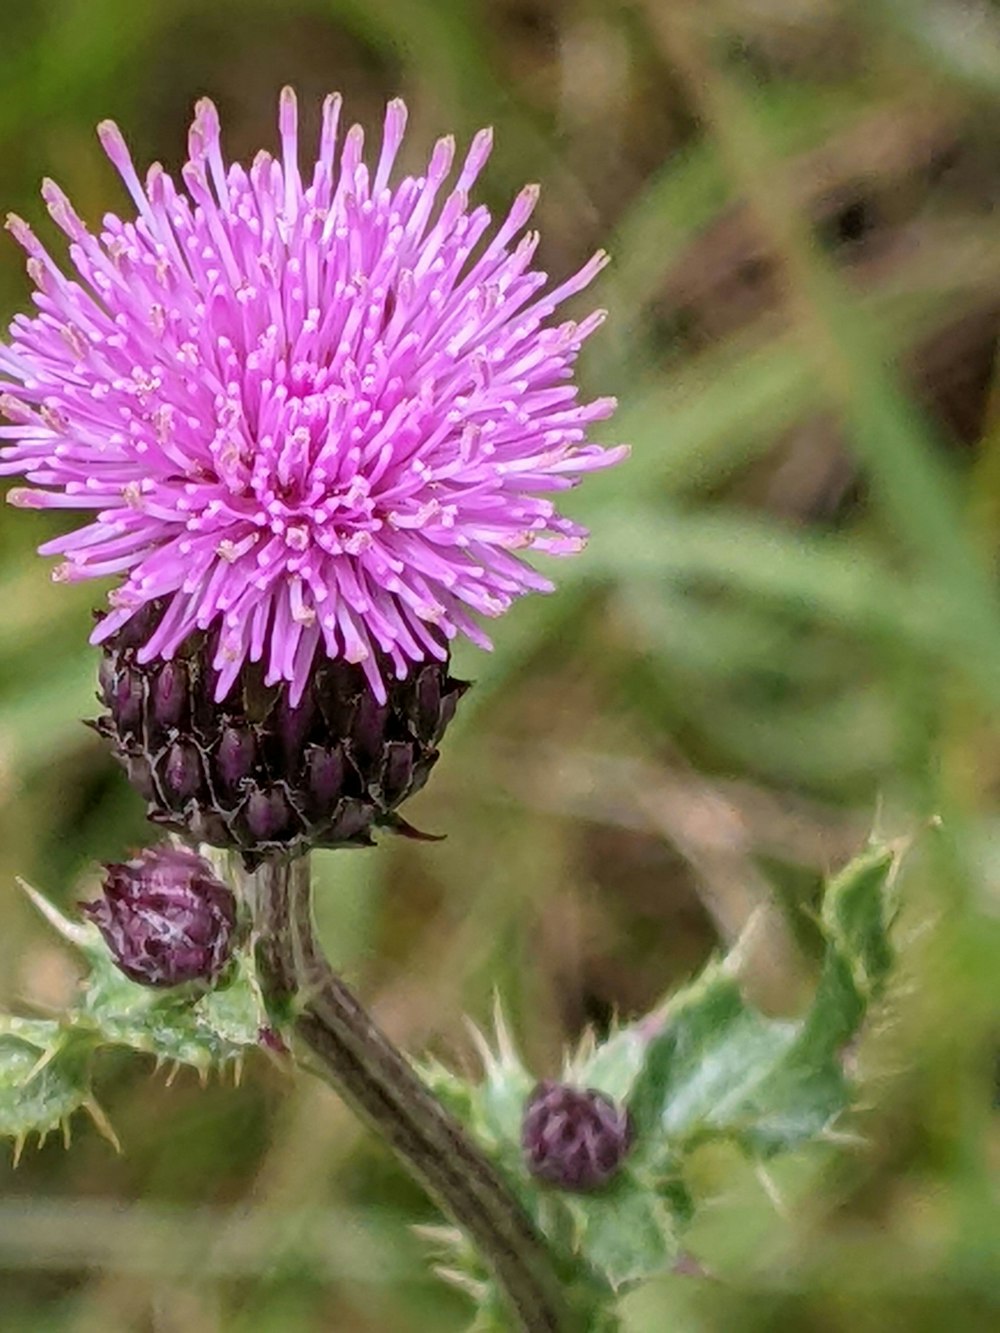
(574, 1138)
(165, 917)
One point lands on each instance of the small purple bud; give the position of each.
(165, 917)
(574, 1138)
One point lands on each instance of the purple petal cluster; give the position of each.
(165, 917)
(318, 415)
(574, 1138)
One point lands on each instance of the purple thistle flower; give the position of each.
(319, 417)
(165, 917)
(574, 1138)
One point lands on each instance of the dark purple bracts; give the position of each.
(574, 1138)
(165, 917)
(257, 775)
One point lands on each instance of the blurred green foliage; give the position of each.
(785, 632)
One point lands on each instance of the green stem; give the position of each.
(381, 1087)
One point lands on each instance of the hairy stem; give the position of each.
(380, 1086)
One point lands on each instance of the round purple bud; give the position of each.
(574, 1138)
(165, 917)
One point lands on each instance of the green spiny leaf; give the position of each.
(45, 1065)
(498, 1107)
(203, 1030)
(612, 1067)
(715, 1067)
(44, 1078)
(625, 1232)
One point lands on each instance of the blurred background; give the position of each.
(785, 634)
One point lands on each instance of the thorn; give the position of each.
(102, 1123)
(456, 1278)
(770, 1188)
(505, 1044)
(490, 1064)
(735, 960)
(19, 1143)
(175, 1070)
(73, 931)
(44, 1059)
(67, 1132)
(238, 1070)
(844, 1139)
(440, 1237)
(584, 1049)
(876, 833)
(900, 848)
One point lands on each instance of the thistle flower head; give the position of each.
(317, 416)
(165, 917)
(574, 1138)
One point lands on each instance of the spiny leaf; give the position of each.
(498, 1106)
(626, 1231)
(203, 1031)
(44, 1080)
(612, 1067)
(45, 1065)
(715, 1067)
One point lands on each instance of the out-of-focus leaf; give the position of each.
(625, 1231)
(717, 1068)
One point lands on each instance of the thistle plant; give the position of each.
(317, 425)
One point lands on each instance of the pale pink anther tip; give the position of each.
(17, 227)
(206, 112)
(112, 140)
(288, 110)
